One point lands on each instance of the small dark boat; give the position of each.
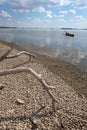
(69, 34)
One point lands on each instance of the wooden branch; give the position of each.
(5, 54)
(20, 53)
(38, 76)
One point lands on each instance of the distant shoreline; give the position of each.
(8, 27)
(44, 28)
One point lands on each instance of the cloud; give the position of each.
(23, 6)
(64, 2)
(31, 4)
(63, 12)
(60, 2)
(4, 14)
(79, 18)
(49, 15)
(40, 9)
(21, 10)
(83, 7)
(18, 5)
(80, 2)
(72, 11)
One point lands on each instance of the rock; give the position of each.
(20, 101)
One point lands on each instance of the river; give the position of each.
(51, 42)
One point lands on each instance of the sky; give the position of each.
(44, 13)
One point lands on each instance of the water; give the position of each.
(51, 42)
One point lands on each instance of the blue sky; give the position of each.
(43, 13)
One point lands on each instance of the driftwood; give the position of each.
(25, 69)
(38, 76)
(5, 54)
(20, 53)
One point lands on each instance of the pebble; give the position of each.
(20, 101)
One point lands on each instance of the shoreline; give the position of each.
(71, 74)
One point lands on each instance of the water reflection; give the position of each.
(51, 42)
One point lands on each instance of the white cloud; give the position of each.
(64, 2)
(32, 4)
(60, 2)
(40, 9)
(72, 11)
(63, 12)
(83, 7)
(4, 14)
(21, 10)
(80, 2)
(49, 15)
(79, 17)
(24, 5)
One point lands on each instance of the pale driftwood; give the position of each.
(5, 54)
(25, 69)
(20, 53)
(38, 76)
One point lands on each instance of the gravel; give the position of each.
(26, 105)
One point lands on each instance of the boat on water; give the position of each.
(69, 34)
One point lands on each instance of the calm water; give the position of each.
(51, 42)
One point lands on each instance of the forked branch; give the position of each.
(38, 76)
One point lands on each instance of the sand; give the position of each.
(22, 94)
